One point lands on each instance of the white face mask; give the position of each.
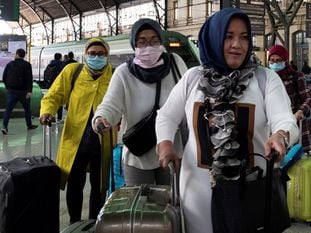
(148, 57)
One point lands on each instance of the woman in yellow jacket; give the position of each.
(79, 147)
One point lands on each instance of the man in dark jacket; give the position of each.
(50, 74)
(70, 58)
(17, 78)
(53, 69)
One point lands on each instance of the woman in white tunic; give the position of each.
(131, 96)
(226, 87)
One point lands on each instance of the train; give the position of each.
(120, 49)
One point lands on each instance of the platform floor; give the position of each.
(21, 142)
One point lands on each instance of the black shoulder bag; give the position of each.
(142, 137)
(249, 206)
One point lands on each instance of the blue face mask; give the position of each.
(277, 66)
(96, 62)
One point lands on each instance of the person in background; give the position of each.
(79, 146)
(70, 58)
(131, 96)
(18, 81)
(294, 67)
(50, 74)
(306, 68)
(218, 98)
(54, 68)
(296, 88)
(65, 58)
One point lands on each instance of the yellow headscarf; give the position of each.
(102, 42)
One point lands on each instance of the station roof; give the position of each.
(43, 11)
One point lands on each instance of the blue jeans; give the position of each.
(14, 96)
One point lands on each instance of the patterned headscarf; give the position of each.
(212, 36)
(222, 87)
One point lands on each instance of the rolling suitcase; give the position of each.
(144, 208)
(29, 194)
(84, 226)
(299, 190)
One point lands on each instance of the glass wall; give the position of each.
(300, 48)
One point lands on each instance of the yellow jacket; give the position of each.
(86, 95)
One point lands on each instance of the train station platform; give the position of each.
(22, 142)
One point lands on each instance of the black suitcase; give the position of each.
(29, 195)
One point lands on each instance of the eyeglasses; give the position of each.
(145, 43)
(93, 54)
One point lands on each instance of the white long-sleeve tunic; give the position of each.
(267, 113)
(131, 99)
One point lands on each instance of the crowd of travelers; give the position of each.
(197, 118)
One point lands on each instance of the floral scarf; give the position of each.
(221, 91)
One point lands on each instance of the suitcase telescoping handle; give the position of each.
(269, 177)
(45, 146)
(106, 168)
(174, 184)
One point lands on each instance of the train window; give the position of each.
(180, 44)
(117, 59)
(120, 51)
(186, 54)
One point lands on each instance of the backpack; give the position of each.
(15, 76)
(50, 74)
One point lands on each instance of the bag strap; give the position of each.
(75, 76)
(73, 80)
(157, 97)
(261, 78)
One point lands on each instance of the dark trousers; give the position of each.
(13, 97)
(135, 176)
(76, 183)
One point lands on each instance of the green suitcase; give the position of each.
(84, 226)
(142, 209)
